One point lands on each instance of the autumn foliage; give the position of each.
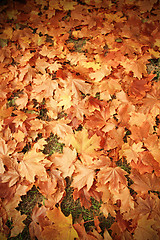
(78, 70)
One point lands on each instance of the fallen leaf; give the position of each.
(144, 229)
(65, 162)
(84, 176)
(31, 165)
(85, 146)
(61, 227)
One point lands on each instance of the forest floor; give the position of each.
(79, 119)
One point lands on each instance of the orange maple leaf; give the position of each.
(77, 84)
(18, 224)
(98, 118)
(22, 101)
(131, 152)
(137, 66)
(31, 165)
(84, 176)
(65, 162)
(115, 177)
(41, 65)
(53, 187)
(126, 199)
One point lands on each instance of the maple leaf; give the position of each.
(114, 176)
(45, 51)
(78, 110)
(14, 197)
(11, 177)
(64, 98)
(139, 88)
(131, 152)
(99, 74)
(140, 133)
(144, 183)
(54, 67)
(137, 66)
(123, 113)
(42, 86)
(61, 227)
(22, 101)
(151, 103)
(7, 33)
(108, 88)
(26, 57)
(19, 136)
(91, 235)
(149, 205)
(65, 162)
(39, 220)
(61, 129)
(52, 108)
(84, 176)
(152, 144)
(85, 146)
(5, 112)
(115, 136)
(147, 6)
(144, 229)
(75, 58)
(41, 65)
(31, 166)
(77, 84)
(18, 224)
(125, 198)
(98, 118)
(67, 5)
(6, 149)
(107, 205)
(137, 118)
(53, 187)
(85, 196)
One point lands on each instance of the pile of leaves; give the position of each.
(78, 102)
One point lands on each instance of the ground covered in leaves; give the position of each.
(79, 119)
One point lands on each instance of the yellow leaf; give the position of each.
(93, 65)
(84, 145)
(61, 227)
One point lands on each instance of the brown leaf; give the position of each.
(145, 230)
(144, 183)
